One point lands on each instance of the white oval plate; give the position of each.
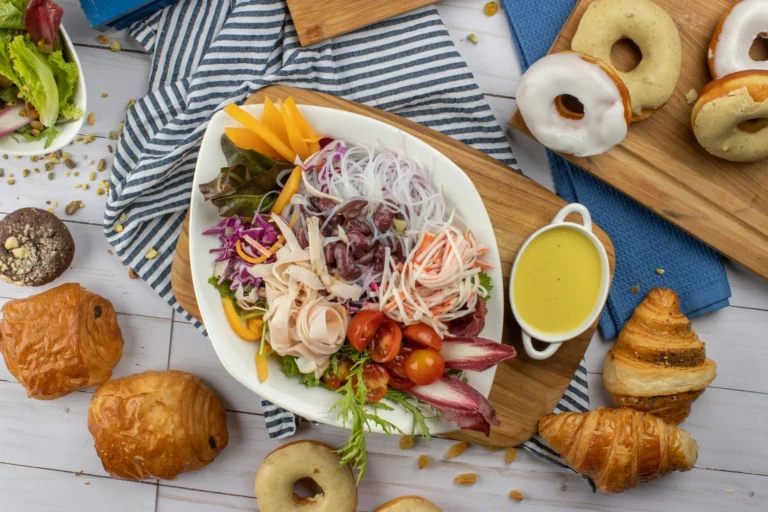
(67, 130)
(238, 356)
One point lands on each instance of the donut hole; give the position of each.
(305, 490)
(759, 49)
(569, 106)
(625, 55)
(753, 125)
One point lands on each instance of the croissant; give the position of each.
(156, 425)
(617, 448)
(658, 365)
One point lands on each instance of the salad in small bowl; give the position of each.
(341, 278)
(42, 90)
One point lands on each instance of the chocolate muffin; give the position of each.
(35, 247)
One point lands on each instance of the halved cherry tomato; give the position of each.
(386, 342)
(362, 328)
(396, 367)
(424, 366)
(334, 380)
(423, 335)
(375, 378)
(400, 383)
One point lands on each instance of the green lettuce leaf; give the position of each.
(6, 67)
(9, 94)
(38, 82)
(66, 74)
(12, 14)
(48, 134)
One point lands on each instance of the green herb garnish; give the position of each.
(485, 282)
(401, 398)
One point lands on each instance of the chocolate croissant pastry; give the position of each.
(61, 340)
(156, 425)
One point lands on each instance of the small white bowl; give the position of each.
(67, 130)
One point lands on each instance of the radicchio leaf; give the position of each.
(43, 19)
(459, 402)
(476, 354)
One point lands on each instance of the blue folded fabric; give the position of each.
(119, 14)
(650, 252)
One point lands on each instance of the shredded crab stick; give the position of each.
(437, 283)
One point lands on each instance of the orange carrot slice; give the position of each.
(246, 139)
(253, 124)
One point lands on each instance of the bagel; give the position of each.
(738, 28)
(730, 119)
(408, 504)
(607, 110)
(652, 29)
(290, 463)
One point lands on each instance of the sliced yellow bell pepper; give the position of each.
(274, 121)
(306, 130)
(294, 134)
(290, 188)
(255, 325)
(262, 366)
(234, 322)
(246, 139)
(253, 124)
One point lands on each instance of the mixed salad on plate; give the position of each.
(346, 263)
(37, 82)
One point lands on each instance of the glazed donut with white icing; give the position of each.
(738, 28)
(730, 119)
(290, 463)
(408, 504)
(652, 29)
(607, 109)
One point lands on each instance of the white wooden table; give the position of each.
(47, 460)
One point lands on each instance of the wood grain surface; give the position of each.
(524, 389)
(316, 21)
(661, 165)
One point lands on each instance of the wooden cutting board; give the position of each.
(524, 389)
(319, 20)
(661, 165)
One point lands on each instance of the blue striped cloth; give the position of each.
(208, 53)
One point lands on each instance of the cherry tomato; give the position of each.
(400, 383)
(363, 327)
(396, 367)
(375, 378)
(334, 380)
(424, 366)
(386, 342)
(423, 335)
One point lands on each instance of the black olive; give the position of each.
(97, 312)
(212, 443)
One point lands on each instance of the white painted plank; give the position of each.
(193, 352)
(170, 499)
(38, 490)
(749, 290)
(735, 339)
(146, 344)
(101, 273)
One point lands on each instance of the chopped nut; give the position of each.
(55, 204)
(51, 210)
(35, 132)
(123, 217)
(48, 166)
(691, 96)
(77, 173)
(109, 251)
(100, 192)
(89, 138)
(36, 170)
(20, 252)
(473, 38)
(120, 126)
(131, 103)
(11, 242)
(50, 176)
(423, 461)
(516, 495)
(102, 165)
(91, 118)
(65, 155)
(635, 289)
(11, 182)
(67, 174)
(34, 158)
(115, 46)
(132, 274)
(119, 228)
(92, 176)
(104, 95)
(79, 138)
(491, 8)
(102, 39)
(660, 271)
(455, 450)
(114, 135)
(466, 479)
(406, 442)
(37, 125)
(54, 160)
(2, 173)
(110, 148)
(509, 455)
(151, 254)
(25, 172)
(72, 207)
(105, 184)
(92, 162)
(70, 164)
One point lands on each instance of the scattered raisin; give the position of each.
(509, 456)
(455, 450)
(466, 479)
(406, 442)
(423, 461)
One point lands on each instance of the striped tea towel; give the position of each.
(208, 53)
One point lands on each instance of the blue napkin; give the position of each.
(119, 14)
(650, 252)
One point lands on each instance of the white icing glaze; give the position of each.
(745, 22)
(603, 125)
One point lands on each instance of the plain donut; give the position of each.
(653, 81)
(738, 28)
(607, 110)
(290, 463)
(408, 504)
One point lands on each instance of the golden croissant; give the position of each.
(617, 448)
(658, 365)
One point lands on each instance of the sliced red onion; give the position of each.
(10, 120)
(477, 354)
(459, 402)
